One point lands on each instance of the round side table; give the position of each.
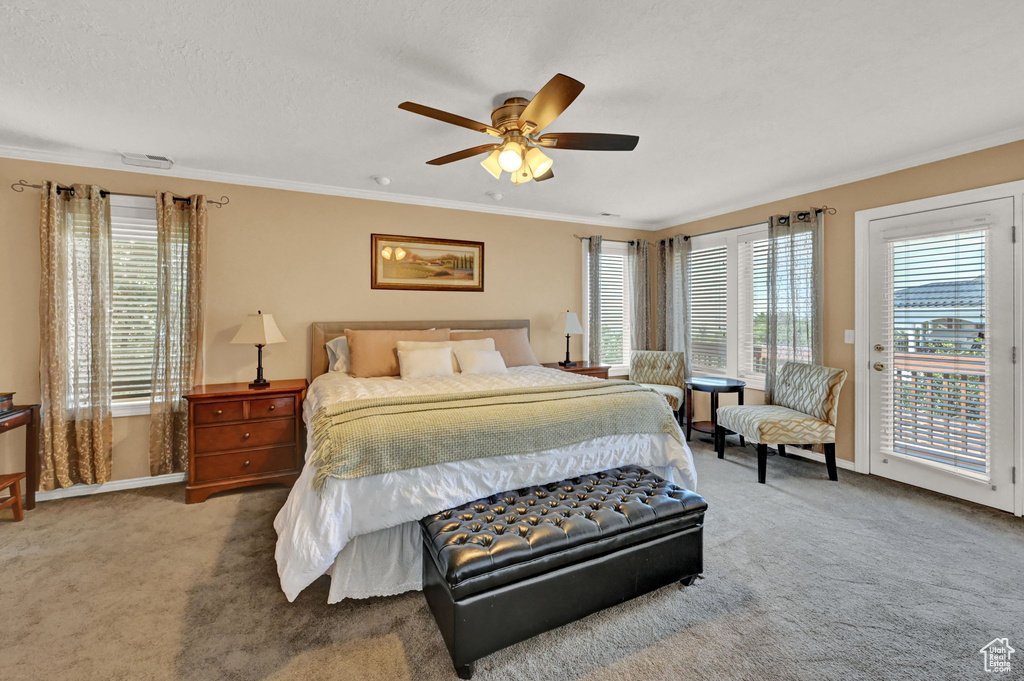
(714, 385)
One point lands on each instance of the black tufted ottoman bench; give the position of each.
(499, 570)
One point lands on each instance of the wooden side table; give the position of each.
(585, 368)
(714, 385)
(28, 416)
(239, 436)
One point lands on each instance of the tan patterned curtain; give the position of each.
(794, 293)
(673, 256)
(594, 296)
(638, 265)
(177, 361)
(74, 353)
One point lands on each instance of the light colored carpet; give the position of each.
(806, 579)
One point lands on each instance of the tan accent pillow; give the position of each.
(374, 352)
(513, 344)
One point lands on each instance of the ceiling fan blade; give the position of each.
(465, 153)
(549, 103)
(589, 141)
(546, 176)
(446, 117)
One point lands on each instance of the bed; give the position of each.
(362, 531)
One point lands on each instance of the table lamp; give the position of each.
(258, 329)
(572, 325)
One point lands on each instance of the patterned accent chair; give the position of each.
(662, 371)
(803, 413)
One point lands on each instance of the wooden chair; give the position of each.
(663, 371)
(13, 482)
(803, 412)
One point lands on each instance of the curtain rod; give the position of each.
(21, 185)
(614, 241)
(828, 210)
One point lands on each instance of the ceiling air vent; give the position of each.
(146, 160)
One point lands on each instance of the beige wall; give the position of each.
(302, 257)
(979, 169)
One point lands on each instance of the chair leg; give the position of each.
(720, 441)
(830, 461)
(19, 515)
(782, 450)
(762, 462)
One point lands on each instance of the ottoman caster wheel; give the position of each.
(465, 671)
(688, 581)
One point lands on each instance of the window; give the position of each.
(753, 308)
(615, 306)
(709, 319)
(728, 289)
(133, 303)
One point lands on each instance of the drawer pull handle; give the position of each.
(218, 412)
(273, 407)
(245, 465)
(246, 436)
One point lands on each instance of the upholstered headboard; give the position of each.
(325, 331)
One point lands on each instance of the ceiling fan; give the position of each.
(518, 123)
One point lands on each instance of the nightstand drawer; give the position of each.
(244, 463)
(271, 408)
(216, 412)
(257, 434)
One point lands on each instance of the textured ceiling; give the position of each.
(734, 102)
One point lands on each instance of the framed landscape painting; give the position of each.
(413, 263)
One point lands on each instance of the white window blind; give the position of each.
(709, 313)
(134, 253)
(795, 273)
(615, 305)
(933, 401)
(753, 308)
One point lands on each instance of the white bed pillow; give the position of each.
(337, 354)
(455, 346)
(481, 362)
(425, 362)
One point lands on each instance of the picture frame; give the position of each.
(412, 263)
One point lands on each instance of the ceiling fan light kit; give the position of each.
(518, 123)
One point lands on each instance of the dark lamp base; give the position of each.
(255, 385)
(567, 364)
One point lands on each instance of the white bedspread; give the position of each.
(363, 530)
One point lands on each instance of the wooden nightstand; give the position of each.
(585, 368)
(238, 436)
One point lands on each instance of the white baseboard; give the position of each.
(820, 458)
(112, 486)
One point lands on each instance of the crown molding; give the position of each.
(942, 153)
(102, 160)
(90, 159)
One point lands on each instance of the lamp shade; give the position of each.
(572, 323)
(258, 329)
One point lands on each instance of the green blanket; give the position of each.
(371, 437)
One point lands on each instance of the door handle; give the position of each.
(878, 366)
